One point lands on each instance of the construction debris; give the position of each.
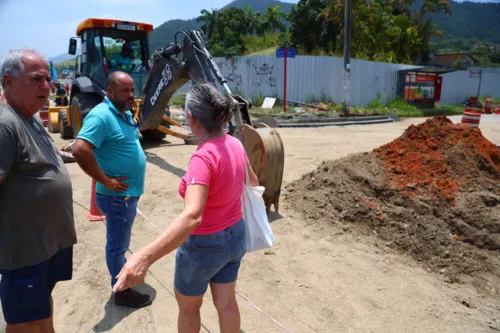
(433, 194)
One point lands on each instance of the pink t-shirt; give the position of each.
(218, 164)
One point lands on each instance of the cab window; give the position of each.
(124, 55)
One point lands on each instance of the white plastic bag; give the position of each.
(259, 234)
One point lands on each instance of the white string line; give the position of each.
(246, 299)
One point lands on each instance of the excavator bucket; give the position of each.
(265, 151)
(264, 148)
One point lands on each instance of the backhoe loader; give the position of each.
(113, 45)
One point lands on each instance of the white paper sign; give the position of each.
(268, 103)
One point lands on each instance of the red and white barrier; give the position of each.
(44, 114)
(497, 110)
(471, 118)
(94, 214)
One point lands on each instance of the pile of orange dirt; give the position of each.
(438, 158)
(433, 193)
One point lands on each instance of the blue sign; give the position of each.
(290, 53)
(53, 73)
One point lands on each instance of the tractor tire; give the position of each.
(155, 135)
(81, 105)
(65, 131)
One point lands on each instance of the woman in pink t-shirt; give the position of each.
(210, 232)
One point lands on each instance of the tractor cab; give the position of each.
(112, 45)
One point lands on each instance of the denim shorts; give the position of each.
(209, 258)
(25, 292)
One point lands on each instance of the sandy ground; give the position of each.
(313, 280)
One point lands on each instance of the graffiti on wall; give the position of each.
(231, 74)
(272, 82)
(265, 75)
(265, 69)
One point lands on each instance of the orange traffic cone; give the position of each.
(94, 214)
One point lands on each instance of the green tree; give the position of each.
(427, 29)
(209, 19)
(385, 30)
(309, 30)
(273, 20)
(253, 19)
(229, 30)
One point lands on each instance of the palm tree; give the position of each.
(273, 20)
(210, 19)
(434, 6)
(254, 20)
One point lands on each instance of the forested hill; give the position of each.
(469, 23)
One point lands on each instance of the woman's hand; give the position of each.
(172, 237)
(133, 273)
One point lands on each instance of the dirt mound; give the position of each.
(433, 193)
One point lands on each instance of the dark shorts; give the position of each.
(25, 292)
(209, 258)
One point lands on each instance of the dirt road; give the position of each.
(313, 280)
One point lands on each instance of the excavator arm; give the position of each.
(173, 67)
(176, 65)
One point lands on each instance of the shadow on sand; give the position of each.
(273, 216)
(162, 164)
(159, 161)
(114, 314)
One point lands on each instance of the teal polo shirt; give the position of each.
(117, 147)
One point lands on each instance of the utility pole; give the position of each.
(347, 56)
(479, 87)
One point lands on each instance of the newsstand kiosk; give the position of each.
(421, 86)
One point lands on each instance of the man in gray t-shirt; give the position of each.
(37, 231)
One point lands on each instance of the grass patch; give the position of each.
(266, 52)
(406, 110)
(259, 112)
(261, 45)
(496, 100)
(376, 103)
(449, 110)
(399, 106)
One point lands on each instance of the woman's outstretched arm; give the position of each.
(172, 237)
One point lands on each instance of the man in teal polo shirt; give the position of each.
(107, 148)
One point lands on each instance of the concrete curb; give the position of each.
(337, 124)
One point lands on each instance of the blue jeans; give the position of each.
(120, 214)
(209, 258)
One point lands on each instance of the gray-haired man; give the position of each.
(37, 231)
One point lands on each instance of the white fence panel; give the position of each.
(316, 78)
(490, 84)
(457, 87)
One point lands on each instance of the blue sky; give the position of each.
(47, 25)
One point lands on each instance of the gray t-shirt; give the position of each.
(36, 196)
